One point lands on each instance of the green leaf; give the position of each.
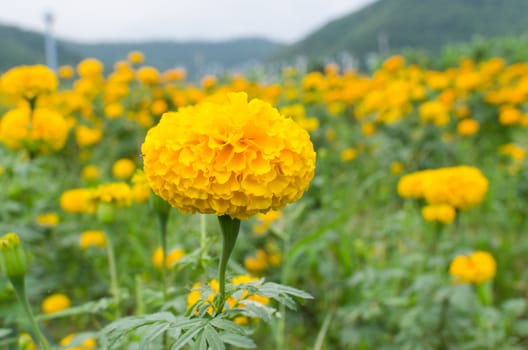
(213, 339)
(227, 325)
(187, 336)
(4, 332)
(239, 341)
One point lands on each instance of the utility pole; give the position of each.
(50, 47)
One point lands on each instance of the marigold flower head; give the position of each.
(461, 187)
(92, 238)
(348, 154)
(90, 173)
(148, 75)
(443, 213)
(78, 200)
(477, 267)
(86, 136)
(55, 303)
(42, 130)
(114, 110)
(173, 257)
(136, 57)
(140, 187)
(90, 68)
(48, 219)
(29, 81)
(468, 127)
(123, 168)
(66, 72)
(117, 193)
(228, 158)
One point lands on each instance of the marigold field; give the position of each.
(381, 210)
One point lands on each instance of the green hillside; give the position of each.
(27, 47)
(195, 56)
(424, 24)
(20, 46)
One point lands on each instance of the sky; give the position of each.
(135, 20)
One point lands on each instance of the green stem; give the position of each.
(230, 228)
(163, 219)
(203, 237)
(114, 285)
(20, 291)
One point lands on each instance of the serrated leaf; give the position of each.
(227, 325)
(187, 337)
(213, 339)
(282, 289)
(239, 341)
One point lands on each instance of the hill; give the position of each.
(400, 24)
(21, 46)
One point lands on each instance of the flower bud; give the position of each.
(12, 256)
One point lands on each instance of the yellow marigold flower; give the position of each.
(48, 219)
(55, 303)
(118, 193)
(90, 173)
(175, 74)
(468, 127)
(257, 263)
(368, 129)
(114, 110)
(476, 268)
(461, 187)
(86, 136)
(514, 151)
(158, 107)
(229, 158)
(148, 75)
(43, 129)
(208, 82)
(123, 168)
(136, 57)
(435, 112)
(509, 115)
(173, 257)
(348, 154)
(25, 342)
(443, 213)
(92, 238)
(265, 221)
(78, 200)
(29, 81)
(90, 68)
(66, 72)
(2, 170)
(394, 63)
(86, 344)
(140, 186)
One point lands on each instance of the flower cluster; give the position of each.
(43, 129)
(229, 158)
(461, 187)
(476, 268)
(29, 82)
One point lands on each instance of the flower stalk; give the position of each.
(230, 228)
